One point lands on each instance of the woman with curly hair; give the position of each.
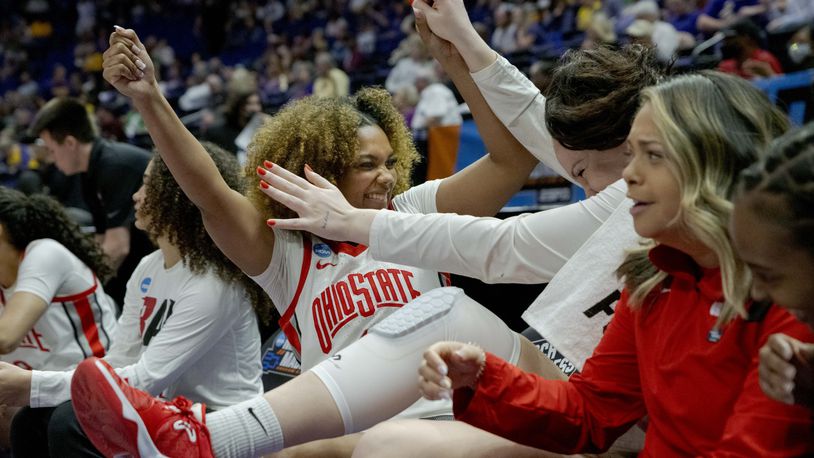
(329, 293)
(188, 325)
(55, 312)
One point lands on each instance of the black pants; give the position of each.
(35, 432)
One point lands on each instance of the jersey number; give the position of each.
(157, 320)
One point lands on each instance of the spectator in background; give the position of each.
(239, 108)
(203, 95)
(109, 175)
(412, 59)
(648, 28)
(530, 30)
(788, 14)
(274, 81)
(586, 11)
(242, 102)
(742, 53)
(437, 105)
(600, 33)
(302, 82)
(330, 81)
(799, 49)
(541, 73)
(504, 36)
(405, 100)
(683, 16)
(720, 14)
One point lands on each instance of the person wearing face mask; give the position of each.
(742, 53)
(799, 49)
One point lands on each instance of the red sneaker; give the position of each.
(121, 420)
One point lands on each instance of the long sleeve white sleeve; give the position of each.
(199, 320)
(520, 106)
(529, 248)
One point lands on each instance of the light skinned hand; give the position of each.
(447, 19)
(448, 366)
(786, 370)
(15, 385)
(127, 66)
(321, 206)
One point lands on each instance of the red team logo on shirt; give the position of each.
(359, 295)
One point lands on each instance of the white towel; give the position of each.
(573, 310)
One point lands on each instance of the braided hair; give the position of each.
(787, 171)
(28, 218)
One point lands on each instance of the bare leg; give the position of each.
(453, 439)
(321, 419)
(338, 447)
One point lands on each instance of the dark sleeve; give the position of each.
(760, 426)
(585, 414)
(119, 177)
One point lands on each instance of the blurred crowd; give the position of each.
(222, 62)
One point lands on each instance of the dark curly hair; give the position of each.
(594, 95)
(29, 218)
(787, 171)
(323, 133)
(172, 215)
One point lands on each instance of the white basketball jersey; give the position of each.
(330, 293)
(80, 319)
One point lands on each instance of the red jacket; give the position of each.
(702, 397)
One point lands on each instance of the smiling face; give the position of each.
(651, 183)
(782, 271)
(594, 170)
(369, 181)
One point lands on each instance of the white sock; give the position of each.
(247, 429)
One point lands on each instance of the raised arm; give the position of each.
(231, 220)
(483, 187)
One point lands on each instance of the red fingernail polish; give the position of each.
(270, 222)
(261, 170)
(268, 164)
(264, 185)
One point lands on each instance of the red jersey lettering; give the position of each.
(367, 307)
(358, 296)
(146, 312)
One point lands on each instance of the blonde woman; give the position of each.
(683, 344)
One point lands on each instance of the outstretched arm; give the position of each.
(231, 220)
(482, 188)
(525, 249)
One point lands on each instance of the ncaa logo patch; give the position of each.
(279, 356)
(145, 284)
(322, 250)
